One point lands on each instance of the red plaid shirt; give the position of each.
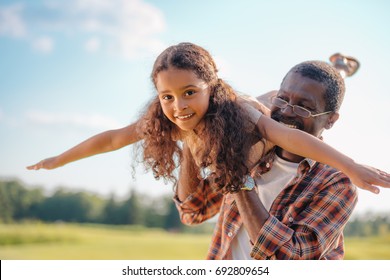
(306, 219)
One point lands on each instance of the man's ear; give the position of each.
(333, 117)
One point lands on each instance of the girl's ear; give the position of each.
(331, 120)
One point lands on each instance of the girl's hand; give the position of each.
(49, 163)
(369, 178)
(246, 99)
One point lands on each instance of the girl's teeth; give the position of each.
(184, 117)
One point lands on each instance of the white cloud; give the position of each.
(130, 26)
(11, 21)
(73, 119)
(43, 44)
(126, 27)
(92, 45)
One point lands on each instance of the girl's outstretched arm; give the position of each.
(306, 145)
(104, 142)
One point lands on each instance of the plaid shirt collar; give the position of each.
(266, 163)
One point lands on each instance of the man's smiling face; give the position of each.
(304, 92)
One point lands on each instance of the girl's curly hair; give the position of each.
(225, 138)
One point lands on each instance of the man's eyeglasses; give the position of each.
(298, 110)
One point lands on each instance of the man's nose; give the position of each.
(288, 110)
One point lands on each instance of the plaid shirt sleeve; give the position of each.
(309, 228)
(199, 206)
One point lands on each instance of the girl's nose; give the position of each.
(180, 105)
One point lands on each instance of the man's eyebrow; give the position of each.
(302, 99)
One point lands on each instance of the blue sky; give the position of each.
(71, 69)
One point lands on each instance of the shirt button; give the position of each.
(230, 234)
(291, 219)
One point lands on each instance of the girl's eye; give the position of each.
(189, 92)
(167, 97)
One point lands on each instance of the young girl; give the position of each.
(195, 107)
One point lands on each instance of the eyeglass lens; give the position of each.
(282, 104)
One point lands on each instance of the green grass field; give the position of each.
(97, 242)
(368, 248)
(100, 242)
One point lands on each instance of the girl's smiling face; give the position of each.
(184, 97)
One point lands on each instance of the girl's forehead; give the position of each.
(178, 78)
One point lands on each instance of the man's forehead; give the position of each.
(304, 87)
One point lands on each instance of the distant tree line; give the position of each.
(368, 224)
(19, 203)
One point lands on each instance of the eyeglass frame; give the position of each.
(297, 106)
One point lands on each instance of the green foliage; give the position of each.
(368, 224)
(133, 208)
(71, 207)
(18, 203)
(111, 212)
(172, 219)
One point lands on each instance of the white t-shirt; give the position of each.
(269, 185)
